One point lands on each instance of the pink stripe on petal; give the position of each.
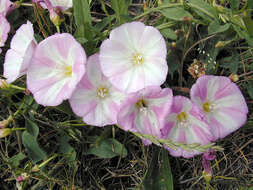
(167, 128)
(203, 137)
(227, 90)
(218, 130)
(181, 137)
(235, 114)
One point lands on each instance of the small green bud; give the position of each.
(5, 132)
(220, 44)
(207, 176)
(4, 84)
(234, 77)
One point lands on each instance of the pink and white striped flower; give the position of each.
(186, 124)
(145, 110)
(222, 102)
(57, 66)
(4, 30)
(18, 57)
(134, 57)
(4, 6)
(95, 99)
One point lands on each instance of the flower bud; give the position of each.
(145, 6)
(22, 177)
(3, 84)
(220, 44)
(4, 123)
(234, 77)
(55, 18)
(207, 176)
(35, 168)
(160, 2)
(173, 44)
(5, 132)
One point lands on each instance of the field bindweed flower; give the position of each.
(222, 102)
(18, 57)
(58, 64)
(95, 99)
(145, 111)
(134, 57)
(186, 124)
(4, 30)
(4, 6)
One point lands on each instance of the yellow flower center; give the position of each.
(207, 107)
(141, 104)
(68, 71)
(138, 59)
(182, 117)
(102, 92)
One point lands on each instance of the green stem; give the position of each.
(48, 160)
(17, 87)
(58, 28)
(168, 5)
(18, 129)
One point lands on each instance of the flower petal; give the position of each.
(228, 109)
(56, 68)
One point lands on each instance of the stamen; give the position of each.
(68, 71)
(208, 107)
(138, 59)
(102, 92)
(141, 103)
(182, 119)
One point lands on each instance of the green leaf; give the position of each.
(34, 151)
(248, 125)
(214, 27)
(83, 19)
(158, 176)
(168, 33)
(81, 12)
(32, 128)
(250, 90)
(66, 149)
(108, 148)
(175, 13)
(173, 63)
(248, 23)
(121, 9)
(65, 108)
(231, 63)
(29, 139)
(243, 34)
(203, 9)
(235, 4)
(15, 160)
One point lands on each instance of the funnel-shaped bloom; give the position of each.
(18, 57)
(4, 30)
(4, 6)
(145, 110)
(186, 124)
(134, 57)
(95, 99)
(223, 103)
(58, 64)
